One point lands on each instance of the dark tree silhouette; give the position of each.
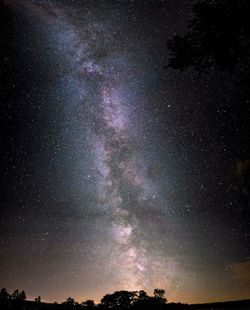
(142, 295)
(159, 300)
(142, 300)
(219, 35)
(88, 304)
(119, 300)
(159, 293)
(218, 41)
(15, 294)
(18, 296)
(22, 296)
(69, 303)
(4, 295)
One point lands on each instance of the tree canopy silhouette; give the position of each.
(159, 295)
(88, 304)
(4, 295)
(218, 35)
(118, 300)
(218, 41)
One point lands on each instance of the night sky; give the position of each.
(116, 171)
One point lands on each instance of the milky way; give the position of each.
(122, 189)
(120, 177)
(126, 200)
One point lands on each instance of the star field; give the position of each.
(116, 171)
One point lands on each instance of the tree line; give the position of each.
(118, 300)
